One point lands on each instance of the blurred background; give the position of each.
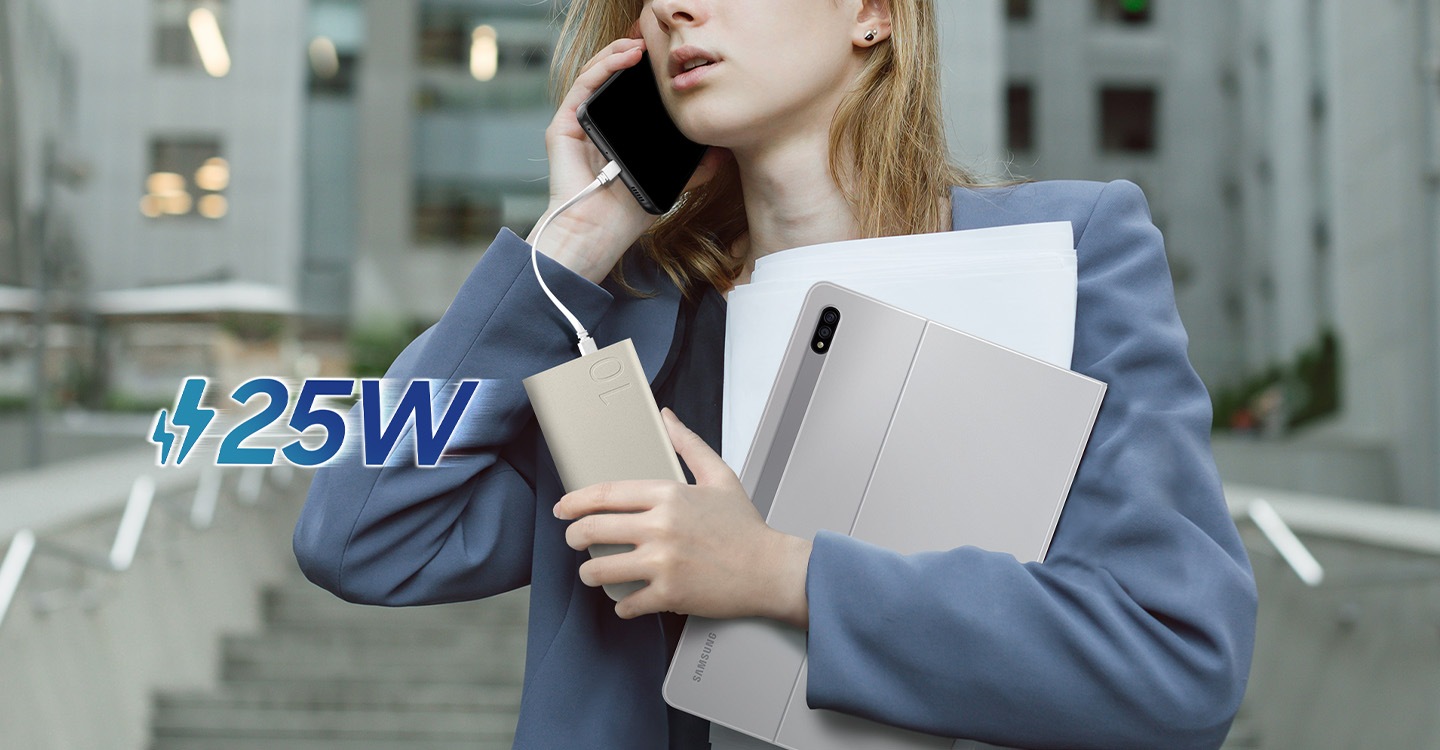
(235, 188)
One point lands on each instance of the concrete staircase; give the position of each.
(328, 675)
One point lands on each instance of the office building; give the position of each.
(1287, 149)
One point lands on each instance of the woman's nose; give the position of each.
(678, 12)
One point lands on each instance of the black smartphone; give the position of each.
(627, 120)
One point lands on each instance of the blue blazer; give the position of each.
(1137, 630)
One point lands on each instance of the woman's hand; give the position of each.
(590, 237)
(702, 548)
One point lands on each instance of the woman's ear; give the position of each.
(872, 23)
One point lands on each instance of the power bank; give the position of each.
(601, 424)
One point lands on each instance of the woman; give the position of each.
(1136, 632)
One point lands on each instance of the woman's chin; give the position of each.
(719, 138)
(713, 127)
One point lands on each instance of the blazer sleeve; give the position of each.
(1137, 630)
(402, 534)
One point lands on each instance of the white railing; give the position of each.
(1279, 514)
(26, 544)
(1397, 528)
(1291, 549)
(1345, 658)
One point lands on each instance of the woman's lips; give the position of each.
(691, 78)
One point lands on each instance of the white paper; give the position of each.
(1013, 285)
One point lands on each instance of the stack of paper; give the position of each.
(1012, 285)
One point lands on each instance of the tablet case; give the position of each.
(906, 434)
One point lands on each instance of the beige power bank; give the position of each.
(602, 425)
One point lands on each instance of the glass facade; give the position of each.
(481, 98)
(188, 178)
(1128, 119)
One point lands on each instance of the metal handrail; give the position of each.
(25, 544)
(22, 546)
(127, 534)
(1282, 537)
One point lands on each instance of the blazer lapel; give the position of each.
(649, 321)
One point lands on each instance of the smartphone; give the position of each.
(627, 120)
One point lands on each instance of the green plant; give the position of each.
(373, 347)
(253, 327)
(1309, 388)
(124, 402)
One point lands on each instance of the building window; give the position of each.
(332, 70)
(451, 38)
(466, 215)
(1017, 10)
(456, 215)
(1020, 116)
(1129, 12)
(1127, 120)
(191, 34)
(442, 40)
(506, 55)
(188, 177)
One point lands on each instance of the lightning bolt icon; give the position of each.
(162, 437)
(191, 416)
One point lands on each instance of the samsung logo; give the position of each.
(704, 657)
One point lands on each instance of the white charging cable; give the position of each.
(606, 176)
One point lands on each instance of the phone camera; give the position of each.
(825, 330)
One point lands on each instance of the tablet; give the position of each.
(903, 433)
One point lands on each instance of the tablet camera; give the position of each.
(825, 330)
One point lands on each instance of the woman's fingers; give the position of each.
(618, 56)
(602, 528)
(619, 45)
(591, 238)
(624, 568)
(565, 133)
(618, 568)
(623, 496)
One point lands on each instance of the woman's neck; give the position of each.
(790, 198)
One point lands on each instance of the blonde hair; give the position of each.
(888, 152)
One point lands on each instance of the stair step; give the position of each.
(310, 743)
(465, 638)
(305, 604)
(326, 674)
(350, 694)
(484, 657)
(219, 720)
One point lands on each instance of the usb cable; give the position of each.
(606, 176)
